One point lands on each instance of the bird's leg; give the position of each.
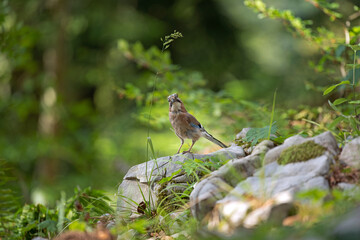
(189, 151)
(182, 142)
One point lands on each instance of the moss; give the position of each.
(301, 152)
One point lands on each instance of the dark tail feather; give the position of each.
(209, 137)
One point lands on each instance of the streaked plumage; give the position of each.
(186, 125)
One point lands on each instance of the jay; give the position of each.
(186, 125)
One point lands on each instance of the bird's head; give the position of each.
(175, 104)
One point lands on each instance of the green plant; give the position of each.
(254, 135)
(9, 203)
(332, 47)
(85, 208)
(37, 220)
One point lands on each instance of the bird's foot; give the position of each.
(186, 152)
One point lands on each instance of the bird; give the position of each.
(186, 125)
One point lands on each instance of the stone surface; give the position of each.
(275, 210)
(325, 139)
(228, 176)
(146, 176)
(242, 134)
(234, 212)
(351, 153)
(130, 194)
(273, 154)
(275, 178)
(347, 186)
(262, 147)
(237, 170)
(205, 194)
(242, 193)
(155, 170)
(258, 215)
(349, 227)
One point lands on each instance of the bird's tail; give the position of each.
(209, 137)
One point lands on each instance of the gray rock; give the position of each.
(242, 134)
(325, 139)
(262, 147)
(237, 170)
(227, 176)
(349, 227)
(130, 194)
(155, 170)
(274, 212)
(351, 153)
(205, 194)
(275, 178)
(273, 154)
(258, 215)
(141, 181)
(234, 212)
(347, 186)
(317, 182)
(224, 154)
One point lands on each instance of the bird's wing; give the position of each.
(192, 121)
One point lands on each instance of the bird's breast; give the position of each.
(182, 127)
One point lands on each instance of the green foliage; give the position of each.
(170, 198)
(66, 55)
(197, 168)
(301, 152)
(169, 178)
(255, 135)
(170, 38)
(85, 208)
(333, 47)
(89, 203)
(9, 203)
(331, 88)
(37, 220)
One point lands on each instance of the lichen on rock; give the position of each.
(301, 152)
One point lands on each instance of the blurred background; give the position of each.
(78, 80)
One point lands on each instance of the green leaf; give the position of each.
(354, 125)
(78, 225)
(336, 121)
(254, 135)
(339, 50)
(150, 144)
(331, 88)
(339, 101)
(333, 106)
(50, 225)
(272, 114)
(313, 195)
(354, 47)
(351, 66)
(167, 179)
(355, 102)
(123, 45)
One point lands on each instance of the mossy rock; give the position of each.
(301, 152)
